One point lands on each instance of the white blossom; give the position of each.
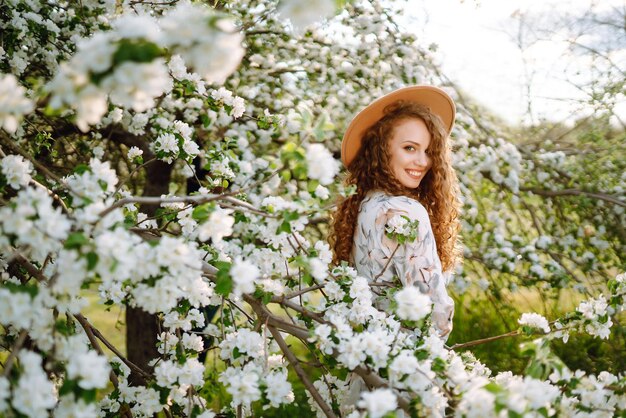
(303, 15)
(219, 225)
(321, 164)
(134, 152)
(34, 394)
(278, 389)
(16, 170)
(413, 305)
(242, 383)
(322, 192)
(13, 103)
(213, 50)
(534, 320)
(378, 402)
(244, 275)
(91, 369)
(69, 407)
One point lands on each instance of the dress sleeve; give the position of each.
(416, 263)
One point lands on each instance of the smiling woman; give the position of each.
(400, 228)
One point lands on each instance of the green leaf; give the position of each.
(284, 227)
(300, 172)
(163, 394)
(92, 260)
(69, 386)
(438, 365)
(267, 297)
(493, 388)
(206, 121)
(183, 307)
(224, 286)
(136, 51)
(312, 185)
(75, 241)
(285, 175)
(81, 168)
(307, 279)
(201, 213)
(21, 288)
(290, 216)
(63, 327)
(262, 123)
(224, 283)
(88, 395)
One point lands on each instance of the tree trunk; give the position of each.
(142, 327)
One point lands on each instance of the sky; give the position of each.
(478, 51)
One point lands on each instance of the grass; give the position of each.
(480, 316)
(111, 323)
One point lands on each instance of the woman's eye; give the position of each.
(409, 148)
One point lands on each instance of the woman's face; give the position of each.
(407, 147)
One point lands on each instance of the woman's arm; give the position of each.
(416, 262)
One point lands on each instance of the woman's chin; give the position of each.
(411, 183)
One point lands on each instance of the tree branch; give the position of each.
(574, 192)
(85, 323)
(94, 342)
(374, 380)
(196, 199)
(42, 168)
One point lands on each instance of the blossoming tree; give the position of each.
(181, 160)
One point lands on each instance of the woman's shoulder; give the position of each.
(380, 200)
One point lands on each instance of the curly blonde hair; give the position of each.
(370, 170)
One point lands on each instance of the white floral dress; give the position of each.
(414, 263)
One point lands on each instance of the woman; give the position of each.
(398, 157)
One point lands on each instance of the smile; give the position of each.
(415, 173)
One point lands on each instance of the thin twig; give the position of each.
(8, 365)
(42, 168)
(139, 167)
(485, 340)
(387, 264)
(302, 291)
(300, 372)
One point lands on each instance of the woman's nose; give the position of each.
(421, 159)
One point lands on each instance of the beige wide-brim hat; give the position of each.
(434, 98)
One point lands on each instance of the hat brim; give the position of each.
(436, 99)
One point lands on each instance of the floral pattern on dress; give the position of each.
(380, 258)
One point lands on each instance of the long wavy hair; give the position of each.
(370, 170)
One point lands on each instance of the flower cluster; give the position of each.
(127, 65)
(401, 229)
(16, 170)
(534, 320)
(176, 142)
(321, 164)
